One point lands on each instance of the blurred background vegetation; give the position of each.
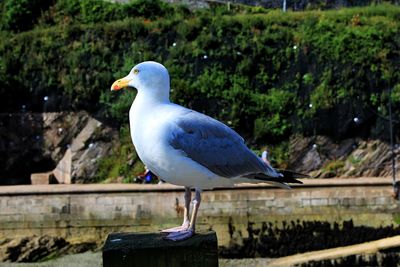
(267, 74)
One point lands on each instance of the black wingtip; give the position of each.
(290, 176)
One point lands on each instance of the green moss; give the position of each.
(354, 160)
(123, 162)
(396, 218)
(51, 256)
(333, 168)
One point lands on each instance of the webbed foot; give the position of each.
(181, 235)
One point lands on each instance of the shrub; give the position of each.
(22, 15)
(259, 73)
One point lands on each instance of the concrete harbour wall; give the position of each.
(91, 212)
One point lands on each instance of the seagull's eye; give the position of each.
(135, 71)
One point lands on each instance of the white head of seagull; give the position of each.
(149, 78)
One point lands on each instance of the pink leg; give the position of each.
(186, 233)
(185, 225)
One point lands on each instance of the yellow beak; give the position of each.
(120, 84)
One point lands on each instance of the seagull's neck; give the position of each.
(152, 97)
(143, 110)
(145, 104)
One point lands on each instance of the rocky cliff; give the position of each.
(37, 142)
(322, 157)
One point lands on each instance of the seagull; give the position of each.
(188, 148)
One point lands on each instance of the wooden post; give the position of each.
(150, 249)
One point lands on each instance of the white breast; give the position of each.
(150, 134)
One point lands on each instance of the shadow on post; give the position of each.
(150, 249)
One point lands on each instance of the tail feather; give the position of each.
(287, 177)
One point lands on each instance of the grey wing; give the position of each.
(215, 146)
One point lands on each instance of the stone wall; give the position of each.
(91, 212)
